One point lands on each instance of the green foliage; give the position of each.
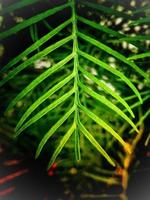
(80, 93)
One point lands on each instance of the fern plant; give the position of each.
(69, 98)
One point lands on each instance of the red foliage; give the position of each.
(12, 176)
(7, 191)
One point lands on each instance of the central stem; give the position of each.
(76, 64)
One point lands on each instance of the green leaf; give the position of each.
(147, 140)
(103, 28)
(62, 144)
(36, 45)
(17, 5)
(112, 70)
(144, 20)
(134, 96)
(106, 180)
(135, 38)
(136, 104)
(112, 52)
(33, 58)
(42, 98)
(38, 80)
(143, 9)
(108, 103)
(77, 145)
(109, 31)
(53, 130)
(107, 89)
(32, 20)
(45, 111)
(32, 34)
(63, 100)
(139, 56)
(146, 114)
(104, 9)
(105, 126)
(92, 140)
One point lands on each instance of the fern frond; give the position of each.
(75, 61)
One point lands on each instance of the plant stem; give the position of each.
(76, 78)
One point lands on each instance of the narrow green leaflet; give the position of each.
(104, 9)
(92, 140)
(139, 56)
(107, 89)
(53, 130)
(112, 52)
(136, 104)
(36, 45)
(140, 10)
(38, 80)
(147, 140)
(32, 32)
(135, 38)
(45, 111)
(140, 21)
(34, 58)
(105, 126)
(100, 27)
(103, 179)
(77, 145)
(61, 144)
(134, 96)
(32, 20)
(146, 114)
(112, 70)
(108, 103)
(42, 98)
(17, 6)
(109, 31)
